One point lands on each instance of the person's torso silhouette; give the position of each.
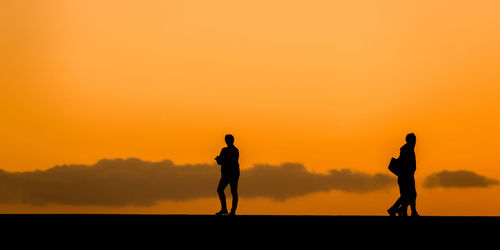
(407, 161)
(229, 160)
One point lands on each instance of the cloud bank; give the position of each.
(291, 179)
(458, 179)
(121, 182)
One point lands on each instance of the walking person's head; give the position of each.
(411, 139)
(229, 139)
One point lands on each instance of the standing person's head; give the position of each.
(411, 139)
(229, 139)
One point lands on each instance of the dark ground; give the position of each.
(256, 231)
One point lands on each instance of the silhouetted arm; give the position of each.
(219, 159)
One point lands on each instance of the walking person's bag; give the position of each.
(394, 166)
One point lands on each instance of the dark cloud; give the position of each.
(292, 179)
(458, 179)
(132, 181)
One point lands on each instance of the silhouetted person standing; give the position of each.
(230, 173)
(406, 179)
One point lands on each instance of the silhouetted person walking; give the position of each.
(230, 173)
(406, 179)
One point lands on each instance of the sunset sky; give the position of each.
(328, 85)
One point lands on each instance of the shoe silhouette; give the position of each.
(221, 212)
(391, 212)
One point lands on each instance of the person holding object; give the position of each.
(404, 167)
(230, 173)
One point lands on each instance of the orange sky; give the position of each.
(330, 84)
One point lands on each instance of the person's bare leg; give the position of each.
(234, 193)
(403, 210)
(413, 205)
(222, 197)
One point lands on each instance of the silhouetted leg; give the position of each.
(413, 205)
(405, 193)
(413, 197)
(403, 210)
(406, 199)
(396, 208)
(222, 197)
(234, 193)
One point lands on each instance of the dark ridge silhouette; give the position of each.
(458, 179)
(121, 182)
(253, 231)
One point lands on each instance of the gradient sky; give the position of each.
(329, 84)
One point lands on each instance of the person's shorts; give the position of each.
(230, 176)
